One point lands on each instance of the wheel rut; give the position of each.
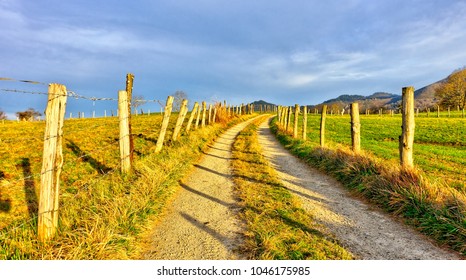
(365, 231)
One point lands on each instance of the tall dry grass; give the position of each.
(433, 208)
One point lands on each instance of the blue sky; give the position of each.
(284, 52)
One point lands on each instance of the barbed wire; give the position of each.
(70, 93)
(22, 81)
(74, 95)
(23, 91)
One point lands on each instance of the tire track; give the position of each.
(202, 223)
(363, 230)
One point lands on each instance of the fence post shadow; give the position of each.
(5, 204)
(29, 188)
(100, 167)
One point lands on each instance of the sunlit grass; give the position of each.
(277, 226)
(102, 213)
(431, 196)
(439, 143)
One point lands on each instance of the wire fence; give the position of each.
(90, 154)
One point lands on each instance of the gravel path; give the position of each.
(202, 223)
(363, 230)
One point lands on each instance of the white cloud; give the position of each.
(304, 57)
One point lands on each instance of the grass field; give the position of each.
(431, 197)
(101, 212)
(439, 143)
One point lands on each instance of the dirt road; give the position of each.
(363, 230)
(202, 221)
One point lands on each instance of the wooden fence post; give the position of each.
(125, 136)
(408, 124)
(355, 128)
(322, 125)
(279, 114)
(290, 112)
(129, 92)
(191, 118)
(180, 120)
(210, 114)
(215, 114)
(198, 116)
(285, 119)
(295, 124)
(165, 121)
(305, 123)
(204, 112)
(52, 161)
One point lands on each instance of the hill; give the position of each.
(423, 97)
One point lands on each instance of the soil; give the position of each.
(202, 222)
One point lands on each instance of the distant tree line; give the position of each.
(452, 93)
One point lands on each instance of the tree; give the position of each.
(137, 101)
(178, 96)
(452, 93)
(28, 115)
(2, 115)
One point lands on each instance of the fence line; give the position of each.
(406, 140)
(53, 160)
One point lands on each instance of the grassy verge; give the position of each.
(277, 226)
(435, 209)
(103, 216)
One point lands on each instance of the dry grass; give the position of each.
(432, 207)
(102, 212)
(277, 226)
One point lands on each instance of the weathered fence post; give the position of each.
(305, 123)
(210, 114)
(290, 112)
(214, 118)
(204, 111)
(198, 117)
(125, 136)
(279, 114)
(191, 118)
(322, 126)
(285, 119)
(52, 161)
(295, 124)
(355, 128)
(129, 92)
(165, 121)
(408, 124)
(180, 120)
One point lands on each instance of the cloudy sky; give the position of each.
(284, 52)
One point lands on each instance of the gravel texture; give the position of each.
(202, 220)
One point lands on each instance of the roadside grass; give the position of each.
(439, 143)
(432, 206)
(102, 213)
(277, 227)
